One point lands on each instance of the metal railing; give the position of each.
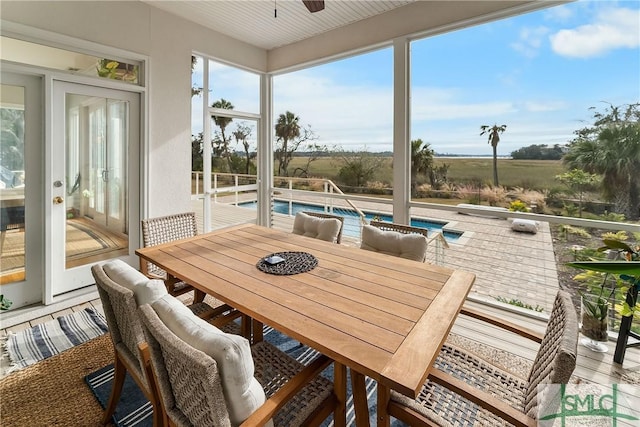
(234, 184)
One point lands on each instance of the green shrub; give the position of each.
(518, 206)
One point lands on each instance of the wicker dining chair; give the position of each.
(400, 228)
(398, 240)
(120, 309)
(464, 389)
(156, 231)
(329, 216)
(191, 390)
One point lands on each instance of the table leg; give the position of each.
(257, 331)
(198, 295)
(383, 403)
(360, 404)
(340, 389)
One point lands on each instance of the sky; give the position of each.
(537, 73)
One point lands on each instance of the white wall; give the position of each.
(168, 42)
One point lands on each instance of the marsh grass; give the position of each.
(528, 174)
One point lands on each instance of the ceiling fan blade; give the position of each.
(314, 5)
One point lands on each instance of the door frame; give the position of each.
(49, 303)
(62, 279)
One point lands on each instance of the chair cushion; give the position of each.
(232, 353)
(525, 225)
(409, 246)
(145, 291)
(318, 228)
(123, 274)
(149, 292)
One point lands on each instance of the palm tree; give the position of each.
(421, 161)
(612, 148)
(494, 137)
(222, 123)
(241, 134)
(287, 130)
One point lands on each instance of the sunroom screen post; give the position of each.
(401, 131)
(265, 151)
(206, 150)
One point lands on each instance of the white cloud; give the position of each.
(536, 106)
(355, 116)
(559, 13)
(612, 29)
(337, 113)
(530, 40)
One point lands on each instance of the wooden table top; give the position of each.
(385, 317)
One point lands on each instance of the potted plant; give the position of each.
(5, 303)
(627, 279)
(595, 320)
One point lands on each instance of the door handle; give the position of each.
(57, 200)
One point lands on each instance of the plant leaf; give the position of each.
(616, 267)
(617, 244)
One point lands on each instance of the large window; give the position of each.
(513, 94)
(229, 100)
(235, 94)
(336, 121)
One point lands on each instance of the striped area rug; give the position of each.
(134, 409)
(48, 339)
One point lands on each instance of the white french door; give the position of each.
(21, 191)
(93, 183)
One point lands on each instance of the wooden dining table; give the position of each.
(383, 317)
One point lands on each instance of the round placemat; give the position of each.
(294, 263)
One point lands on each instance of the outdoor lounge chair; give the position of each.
(464, 388)
(207, 378)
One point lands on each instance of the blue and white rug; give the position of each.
(135, 410)
(48, 339)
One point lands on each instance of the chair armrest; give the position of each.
(286, 392)
(485, 400)
(144, 266)
(496, 321)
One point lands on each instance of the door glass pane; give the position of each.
(96, 203)
(12, 185)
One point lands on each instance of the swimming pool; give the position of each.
(352, 219)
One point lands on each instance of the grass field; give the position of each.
(530, 174)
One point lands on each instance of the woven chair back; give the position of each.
(556, 357)
(120, 307)
(187, 379)
(156, 231)
(400, 228)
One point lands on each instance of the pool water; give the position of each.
(352, 219)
